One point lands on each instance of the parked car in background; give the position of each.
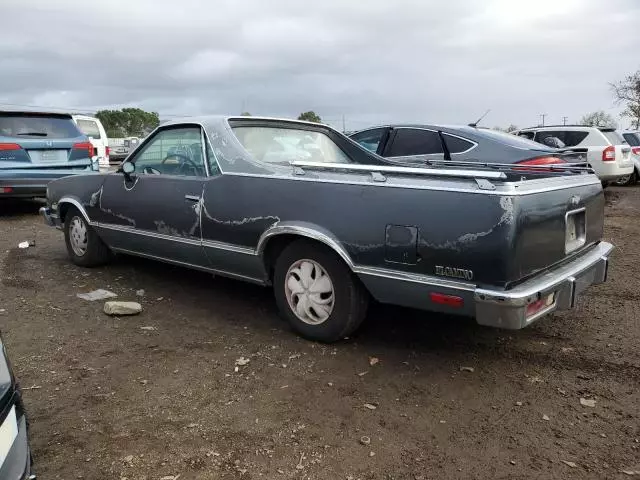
(92, 128)
(330, 224)
(633, 139)
(607, 151)
(120, 151)
(15, 454)
(37, 147)
(412, 144)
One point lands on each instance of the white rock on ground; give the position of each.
(122, 308)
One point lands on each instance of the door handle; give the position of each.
(192, 198)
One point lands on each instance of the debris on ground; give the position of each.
(546, 417)
(242, 361)
(631, 472)
(140, 293)
(26, 244)
(364, 440)
(362, 374)
(570, 464)
(99, 294)
(373, 361)
(518, 404)
(587, 402)
(148, 328)
(467, 369)
(122, 308)
(370, 406)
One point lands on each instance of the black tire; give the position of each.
(96, 253)
(630, 180)
(350, 298)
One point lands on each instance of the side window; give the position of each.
(542, 136)
(175, 151)
(89, 128)
(281, 146)
(528, 135)
(411, 141)
(571, 139)
(457, 144)
(632, 139)
(369, 139)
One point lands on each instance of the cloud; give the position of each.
(373, 62)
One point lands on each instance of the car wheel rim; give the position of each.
(623, 180)
(78, 236)
(309, 291)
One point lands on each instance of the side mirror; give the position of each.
(128, 169)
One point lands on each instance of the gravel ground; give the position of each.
(412, 396)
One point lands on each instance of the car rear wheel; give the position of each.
(627, 179)
(84, 246)
(317, 293)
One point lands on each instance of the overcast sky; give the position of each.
(372, 61)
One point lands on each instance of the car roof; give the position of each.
(567, 127)
(34, 112)
(205, 119)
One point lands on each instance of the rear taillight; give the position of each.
(9, 146)
(609, 154)
(539, 305)
(84, 146)
(107, 151)
(636, 150)
(540, 161)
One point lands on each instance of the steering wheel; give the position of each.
(185, 160)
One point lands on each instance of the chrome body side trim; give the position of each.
(303, 231)
(229, 247)
(76, 204)
(444, 172)
(258, 281)
(147, 233)
(426, 280)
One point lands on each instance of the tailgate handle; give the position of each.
(192, 198)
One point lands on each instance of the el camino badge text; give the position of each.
(454, 272)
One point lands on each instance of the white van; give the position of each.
(93, 129)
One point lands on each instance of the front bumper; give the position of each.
(50, 217)
(508, 308)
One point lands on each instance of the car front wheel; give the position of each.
(317, 293)
(84, 246)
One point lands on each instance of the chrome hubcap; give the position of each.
(623, 179)
(309, 291)
(78, 236)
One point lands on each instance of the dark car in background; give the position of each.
(37, 147)
(15, 454)
(416, 143)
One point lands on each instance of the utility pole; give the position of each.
(344, 129)
(542, 115)
(564, 120)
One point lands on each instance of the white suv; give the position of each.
(607, 151)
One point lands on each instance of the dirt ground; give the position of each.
(109, 399)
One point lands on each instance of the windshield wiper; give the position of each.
(34, 134)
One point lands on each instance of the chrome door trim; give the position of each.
(229, 247)
(223, 273)
(148, 233)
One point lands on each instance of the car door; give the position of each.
(155, 211)
(411, 142)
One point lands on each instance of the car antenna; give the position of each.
(475, 124)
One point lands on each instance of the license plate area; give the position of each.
(48, 156)
(575, 230)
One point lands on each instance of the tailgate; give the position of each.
(554, 226)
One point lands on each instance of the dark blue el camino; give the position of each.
(329, 224)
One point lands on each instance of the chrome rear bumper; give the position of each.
(508, 308)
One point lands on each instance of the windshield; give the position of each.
(37, 126)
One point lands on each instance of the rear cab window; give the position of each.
(283, 145)
(89, 128)
(26, 125)
(632, 139)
